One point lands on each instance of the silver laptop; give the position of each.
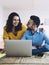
(18, 47)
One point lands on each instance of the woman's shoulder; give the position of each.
(24, 27)
(4, 27)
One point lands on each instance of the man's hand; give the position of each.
(40, 46)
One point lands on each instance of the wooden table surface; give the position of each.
(25, 60)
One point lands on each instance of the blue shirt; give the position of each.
(37, 38)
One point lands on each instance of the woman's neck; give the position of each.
(13, 30)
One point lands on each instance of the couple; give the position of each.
(15, 30)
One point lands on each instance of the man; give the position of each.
(37, 37)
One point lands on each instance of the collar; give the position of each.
(38, 31)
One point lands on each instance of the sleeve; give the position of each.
(5, 35)
(46, 39)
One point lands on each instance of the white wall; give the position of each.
(37, 7)
(25, 14)
(25, 8)
(1, 22)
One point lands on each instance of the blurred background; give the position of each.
(25, 8)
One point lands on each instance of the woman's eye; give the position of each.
(14, 19)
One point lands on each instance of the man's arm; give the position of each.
(46, 41)
(24, 36)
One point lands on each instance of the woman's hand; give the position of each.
(41, 29)
(34, 47)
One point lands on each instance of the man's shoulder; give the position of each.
(27, 32)
(42, 33)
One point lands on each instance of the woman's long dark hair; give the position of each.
(9, 23)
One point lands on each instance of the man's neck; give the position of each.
(33, 31)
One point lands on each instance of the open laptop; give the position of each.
(18, 47)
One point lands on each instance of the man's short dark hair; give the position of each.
(36, 19)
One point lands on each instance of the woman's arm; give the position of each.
(5, 35)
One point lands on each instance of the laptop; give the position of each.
(18, 47)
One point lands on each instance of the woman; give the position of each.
(14, 29)
(37, 37)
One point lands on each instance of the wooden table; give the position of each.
(25, 60)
